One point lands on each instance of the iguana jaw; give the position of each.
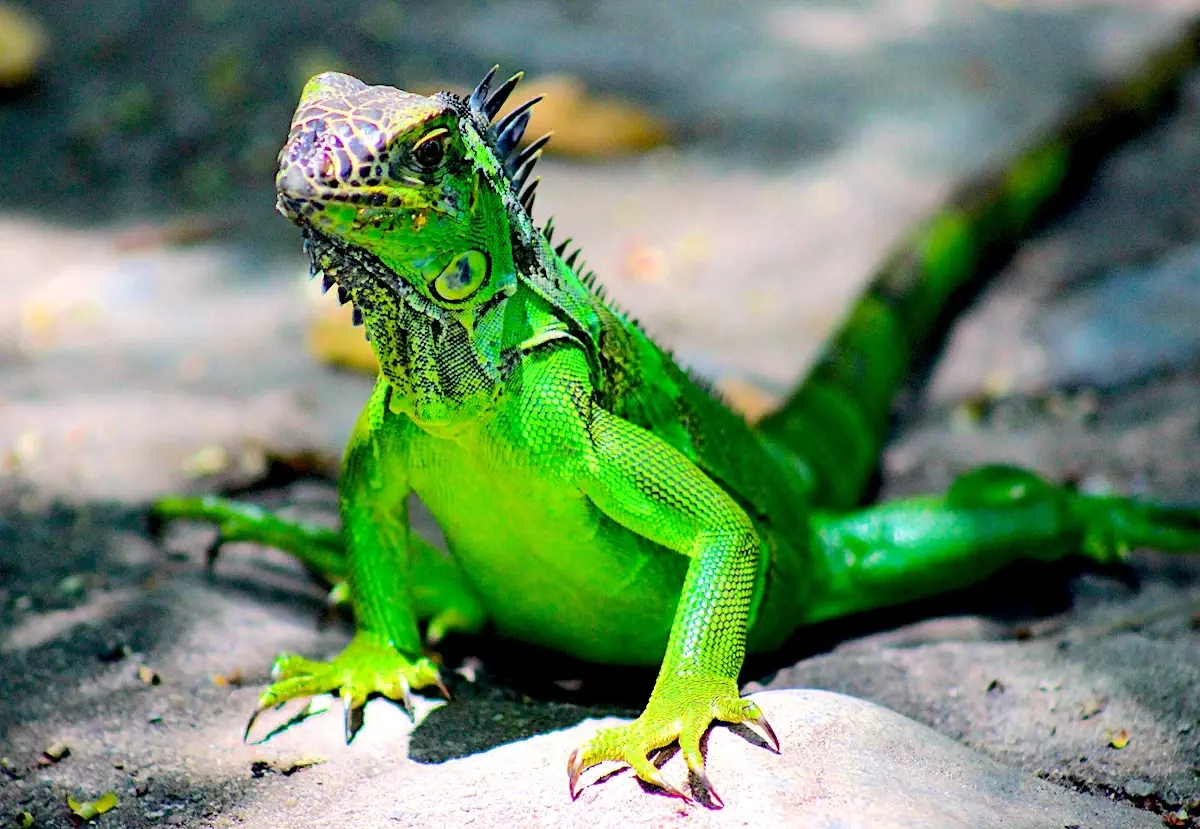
(359, 275)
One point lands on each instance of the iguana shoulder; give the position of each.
(643, 383)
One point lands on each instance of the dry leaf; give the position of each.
(56, 753)
(87, 809)
(233, 679)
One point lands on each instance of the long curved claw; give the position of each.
(578, 763)
(574, 770)
(682, 710)
(708, 787)
(250, 723)
(406, 699)
(689, 744)
(755, 715)
(213, 551)
(353, 716)
(649, 772)
(304, 713)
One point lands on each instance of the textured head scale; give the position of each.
(338, 147)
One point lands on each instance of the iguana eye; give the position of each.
(429, 152)
(462, 277)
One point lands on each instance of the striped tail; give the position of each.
(837, 419)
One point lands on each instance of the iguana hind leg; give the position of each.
(318, 548)
(439, 592)
(905, 550)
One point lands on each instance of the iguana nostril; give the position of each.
(291, 181)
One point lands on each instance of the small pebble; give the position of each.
(1139, 787)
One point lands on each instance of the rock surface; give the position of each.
(1050, 698)
(845, 763)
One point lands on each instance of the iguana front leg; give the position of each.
(384, 656)
(646, 485)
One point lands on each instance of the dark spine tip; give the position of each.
(496, 100)
(525, 170)
(529, 152)
(479, 96)
(528, 196)
(505, 122)
(509, 134)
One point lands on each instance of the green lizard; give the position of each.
(595, 497)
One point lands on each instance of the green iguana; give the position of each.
(595, 497)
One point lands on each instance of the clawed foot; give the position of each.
(368, 665)
(683, 711)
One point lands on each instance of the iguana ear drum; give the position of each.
(462, 277)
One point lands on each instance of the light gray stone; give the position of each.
(845, 764)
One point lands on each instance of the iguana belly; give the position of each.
(550, 568)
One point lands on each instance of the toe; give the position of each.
(689, 745)
(290, 666)
(647, 771)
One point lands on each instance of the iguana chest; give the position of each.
(549, 566)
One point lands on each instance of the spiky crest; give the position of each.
(505, 136)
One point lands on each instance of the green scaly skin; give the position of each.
(594, 497)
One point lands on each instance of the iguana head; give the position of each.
(417, 208)
(419, 183)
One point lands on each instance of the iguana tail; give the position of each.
(837, 419)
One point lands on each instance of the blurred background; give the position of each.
(148, 106)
